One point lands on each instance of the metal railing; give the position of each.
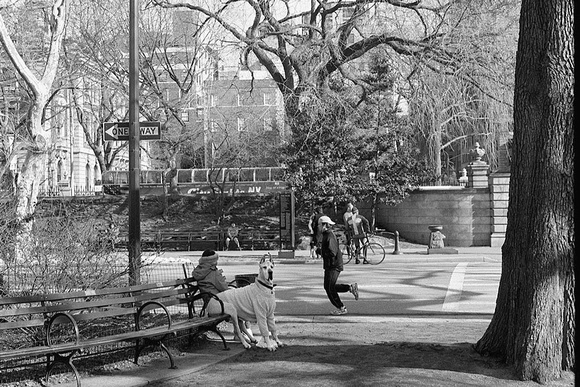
(22, 279)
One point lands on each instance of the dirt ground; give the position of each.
(331, 351)
(365, 351)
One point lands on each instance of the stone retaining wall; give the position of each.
(464, 213)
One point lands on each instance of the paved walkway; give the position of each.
(449, 325)
(416, 254)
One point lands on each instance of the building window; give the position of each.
(268, 124)
(305, 21)
(270, 99)
(59, 171)
(185, 115)
(241, 124)
(213, 126)
(96, 175)
(87, 177)
(347, 14)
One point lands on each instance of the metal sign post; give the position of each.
(134, 157)
(287, 228)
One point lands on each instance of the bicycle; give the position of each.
(373, 252)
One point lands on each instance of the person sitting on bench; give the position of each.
(232, 235)
(209, 278)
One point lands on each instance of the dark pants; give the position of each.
(332, 288)
(358, 242)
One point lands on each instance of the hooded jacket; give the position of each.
(209, 278)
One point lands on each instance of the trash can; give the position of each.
(245, 279)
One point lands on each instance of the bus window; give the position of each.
(108, 178)
(233, 174)
(184, 175)
(155, 177)
(277, 174)
(200, 175)
(215, 175)
(122, 177)
(151, 177)
(246, 174)
(262, 174)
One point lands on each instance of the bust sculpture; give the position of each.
(477, 153)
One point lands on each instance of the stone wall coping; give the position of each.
(446, 188)
(441, 188)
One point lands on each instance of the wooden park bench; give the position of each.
(259, 240)
(59, 326)
(181, 241)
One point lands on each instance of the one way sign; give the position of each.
(119, 131)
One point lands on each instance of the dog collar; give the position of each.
(271, 287)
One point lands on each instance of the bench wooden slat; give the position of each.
(93, 292)
(38, 322)
(113, 312)
(78, 305)
(97, 303)
(126, 336)
(13, 312)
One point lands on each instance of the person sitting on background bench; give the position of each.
(232, 235)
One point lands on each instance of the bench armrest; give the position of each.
(198, 303)
(148, 306)
(60, 318)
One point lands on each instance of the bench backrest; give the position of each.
(92, 305)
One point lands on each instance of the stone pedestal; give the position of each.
(477, 175)
(436, 244)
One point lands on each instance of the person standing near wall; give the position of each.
(359, 227)
(312, 235)
(345, 218)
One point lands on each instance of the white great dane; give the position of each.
(256, 303)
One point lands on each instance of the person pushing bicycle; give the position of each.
(358, 227)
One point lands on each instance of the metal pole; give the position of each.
(134, 159)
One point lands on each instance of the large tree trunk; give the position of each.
(533, 325)
(31, 171)
(26, 196)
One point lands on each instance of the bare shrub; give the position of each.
(67, 254)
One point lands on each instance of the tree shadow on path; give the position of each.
(381, 364)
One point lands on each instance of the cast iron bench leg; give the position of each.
(153, 342)
(67, 360)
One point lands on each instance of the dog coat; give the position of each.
(254, 303)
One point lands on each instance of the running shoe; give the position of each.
(339, 312)
(354, 290)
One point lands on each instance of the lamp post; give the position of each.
(134, 159)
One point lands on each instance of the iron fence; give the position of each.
(24, 280)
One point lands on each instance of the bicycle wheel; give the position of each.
(374, 253)
(346, 255)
